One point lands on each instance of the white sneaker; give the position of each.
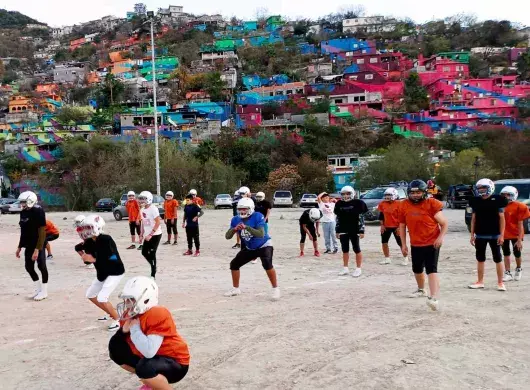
(518, 274)
(432, 303)
(385, 261)
(405, 261)
(255, 261)
(43, 293)
(476, 286)
(89, 266)
(507, 276)
(358, 272)
(276, 293)
(114, 325)
(501, 287)
(345, 271)
(233, 292)
(37, 290)
(419, 293)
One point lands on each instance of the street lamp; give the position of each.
(476, 164)
(151, 17)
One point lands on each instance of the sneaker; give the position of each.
(188, 253)
(501, 287)
(50, 257)
(255, 261)
(104, 318)
(167, 243)
(132, 246)
(385, 261)
(476, 286)
(114, 325)
(140, 247)
(358, 272)
(327, 252)
(432, 303)
(33, 294)
(507, 276)
(518, 274)
(301, 254)
(42, 295)
(237, 246)
(405, 261)
(276, 293)
(175, 242)
(344, 271)
(197, 254)
(89, 266)
(317, 254)
(419, 293)
(233, 292)
(335, 251)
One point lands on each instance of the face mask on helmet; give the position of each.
(510, 193)
(416, 195)
(243, 212)
(346, 196)
(142, 200)
(388, 197)
(85, 232)
(484, 191)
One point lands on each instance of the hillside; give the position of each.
(14, 19)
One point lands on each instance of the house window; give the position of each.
(355, 46)
(492, 102)
(356, 98)
(342, 162)
(332, 161)
(362, 98)
(271, 93)
(338, 101)
(341, 180)
(349, 53)
(369, 76)
(373, 60)
(446, 69)
(279, 93)
(353, 77)
(253, 117)
(289, 92)
(360, 60)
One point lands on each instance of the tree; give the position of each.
(206, 150)
(416, 97)
(315, 175)
(110, 91)
(214, 86)
(523, 66)
(461, 169)
(69, 115)
(2, 70)
(286, 177)
(523, 105)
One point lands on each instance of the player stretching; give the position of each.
(307, 229)
(389, 217)
(250, 226)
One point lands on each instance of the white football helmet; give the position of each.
(27, 199)
(139, 295)
(510, 193)
(79, 220)
(347, 193)
(485, 187)
(130, 193)
(145, 198)
(193, 192)
(243, 191)
(260, 196)
(92, 226)
(391, 194)
(170, 193)
(236, 193)
(315, 214)
(245, 207)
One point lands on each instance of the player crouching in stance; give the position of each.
(148, 343)
(389, 217)
(250, 227)
(427, 227)
(100, 249)
(307, 229)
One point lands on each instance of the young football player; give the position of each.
(307, 222)
(151, 229)
(190, 222)
(171, 206)
(52, 234)
(389, 217)
(133, 211)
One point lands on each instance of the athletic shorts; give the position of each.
(303, 233)
(481, 245)
(51, 237)
(346, 238)
(385, 236)
(245, 256)
(506, 248)
(102, 290)
(134, 228)
(424, 257)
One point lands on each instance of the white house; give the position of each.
(368, 24)
(176, 11)
(230, 77)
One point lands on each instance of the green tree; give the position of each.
(214, 86)
(523, 105)
(69, 115)
(461, 169)
(206, 150)
(523, 66)
(416, 97)
(110, 91)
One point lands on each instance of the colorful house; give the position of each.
(343, 167)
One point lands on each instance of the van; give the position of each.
(282, 199)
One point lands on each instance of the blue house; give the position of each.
(343, 167)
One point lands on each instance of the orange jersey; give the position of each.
(169, 208)
(390, 211)
(419, 218)
(198, 201)
(51, 229)
(158, 320)
(514, 213)
(133, 209)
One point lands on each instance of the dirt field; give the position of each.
(327, 332)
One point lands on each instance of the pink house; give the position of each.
(248, 116)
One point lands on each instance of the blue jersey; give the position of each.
(256, 221)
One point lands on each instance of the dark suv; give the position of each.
(523, 187)
(375, 196)
(459, 195)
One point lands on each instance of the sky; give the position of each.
(68, 12)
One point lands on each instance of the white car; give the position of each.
(222, 200)
(282, 199)
(309, 200)
(14, 208)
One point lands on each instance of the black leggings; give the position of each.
(192, 234)
(41, 263)
(121, 354)
(385, 236)
(149, 252)
(506, 248)
(345, 239)
(171, 226)
(134, 228)
(303, 233)
(480, 249)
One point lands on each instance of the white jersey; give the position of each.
(149, 214)
(328, 211)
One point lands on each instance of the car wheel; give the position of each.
(216, 207)
(118, 216)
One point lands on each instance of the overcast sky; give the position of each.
(68, 12)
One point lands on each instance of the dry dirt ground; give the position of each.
(327, 332)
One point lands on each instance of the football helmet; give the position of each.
(139, 295)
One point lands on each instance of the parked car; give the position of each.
(11, 207)
(222, 200)
(6, 202)
(335, 196)
(309, 200)
(523, 187)
(123, 199)
(375, 196)
(105, 204)
(282, 199)
(458, 195)
(120, 211)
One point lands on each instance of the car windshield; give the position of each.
(311, 196)
(223, 196)
(522, 188)
(106, 200)
(376, 193)
(282, 194)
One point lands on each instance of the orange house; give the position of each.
(92, 78)
(46, 88)
(77, 43)
(20, 103)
